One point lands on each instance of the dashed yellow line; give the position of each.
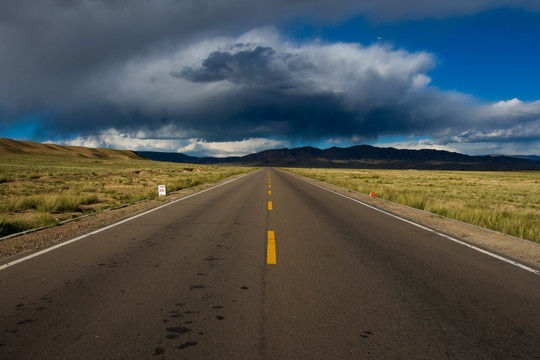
(271, 248)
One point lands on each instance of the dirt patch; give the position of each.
(523, 251)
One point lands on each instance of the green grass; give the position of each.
(38, 191)
(508, 202)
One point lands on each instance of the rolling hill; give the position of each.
(16, 147)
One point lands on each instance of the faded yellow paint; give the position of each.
(271, 248)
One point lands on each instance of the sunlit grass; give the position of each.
(38, 191)
(508, 202)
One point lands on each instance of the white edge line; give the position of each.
(512, 262)
(41, 252)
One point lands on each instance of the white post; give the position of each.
(161, 190)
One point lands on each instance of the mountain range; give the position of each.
(355, 157)
(361, 156)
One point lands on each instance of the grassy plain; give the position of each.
(508, 202)
(38, 191)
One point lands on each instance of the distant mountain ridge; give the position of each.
(360, 156)
(355, 157)
(530, 157)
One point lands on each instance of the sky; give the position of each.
(233, 77)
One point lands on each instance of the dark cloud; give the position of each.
(94, 65)
(57, 49)
(295, 94)
(258, 86)
(53, 51)
(247, 67)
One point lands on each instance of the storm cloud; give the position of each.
(169, 75)
(312, 91)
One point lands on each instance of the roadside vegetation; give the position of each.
(38, 191)
(508, 202)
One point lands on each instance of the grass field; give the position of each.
(508, 202)
(40, 191)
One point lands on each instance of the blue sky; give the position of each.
(491, 55)
(243, 76)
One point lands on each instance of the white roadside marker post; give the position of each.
(161, 190)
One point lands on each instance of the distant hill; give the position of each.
(530, 157)
(360, 157)
(355, 157)
(183, 158)
(15, 147)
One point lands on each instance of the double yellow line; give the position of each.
(271, 244)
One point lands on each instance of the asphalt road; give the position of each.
(267, 267)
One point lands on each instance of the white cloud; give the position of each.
(418, 144)
(486, 146)
(513, 108)
(112, 138)
(498, 147)
(197, 147)
(140, 141)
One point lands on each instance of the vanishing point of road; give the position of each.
(267, 266)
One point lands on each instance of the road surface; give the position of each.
(267, 267)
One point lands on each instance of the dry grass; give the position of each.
(508, 202)
(43, 190)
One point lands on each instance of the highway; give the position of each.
(267, 266)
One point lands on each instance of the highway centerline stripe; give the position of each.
(271, 237)
(271, 248)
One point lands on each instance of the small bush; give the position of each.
(11, 227)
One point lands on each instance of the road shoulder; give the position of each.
(523, 251)
(20, 245)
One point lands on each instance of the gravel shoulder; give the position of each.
(523, 251)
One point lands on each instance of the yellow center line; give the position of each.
(271, 248)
